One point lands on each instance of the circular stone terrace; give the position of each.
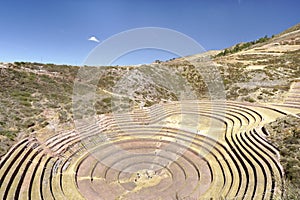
(141, 158)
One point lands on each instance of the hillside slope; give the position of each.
(263, 71)
(37, 98)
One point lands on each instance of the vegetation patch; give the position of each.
(285, 136)
(242, 46)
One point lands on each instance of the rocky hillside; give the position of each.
(285, 135)
(262, 70)
(33, 96)
(37, 98)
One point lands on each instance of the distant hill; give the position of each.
(265, 68)
(292, 29)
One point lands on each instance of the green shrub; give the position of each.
(249, 99)
(242, 46)
(259, 97)
(10, 134)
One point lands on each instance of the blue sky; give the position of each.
(57, 31)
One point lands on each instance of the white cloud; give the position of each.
(94, 39)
